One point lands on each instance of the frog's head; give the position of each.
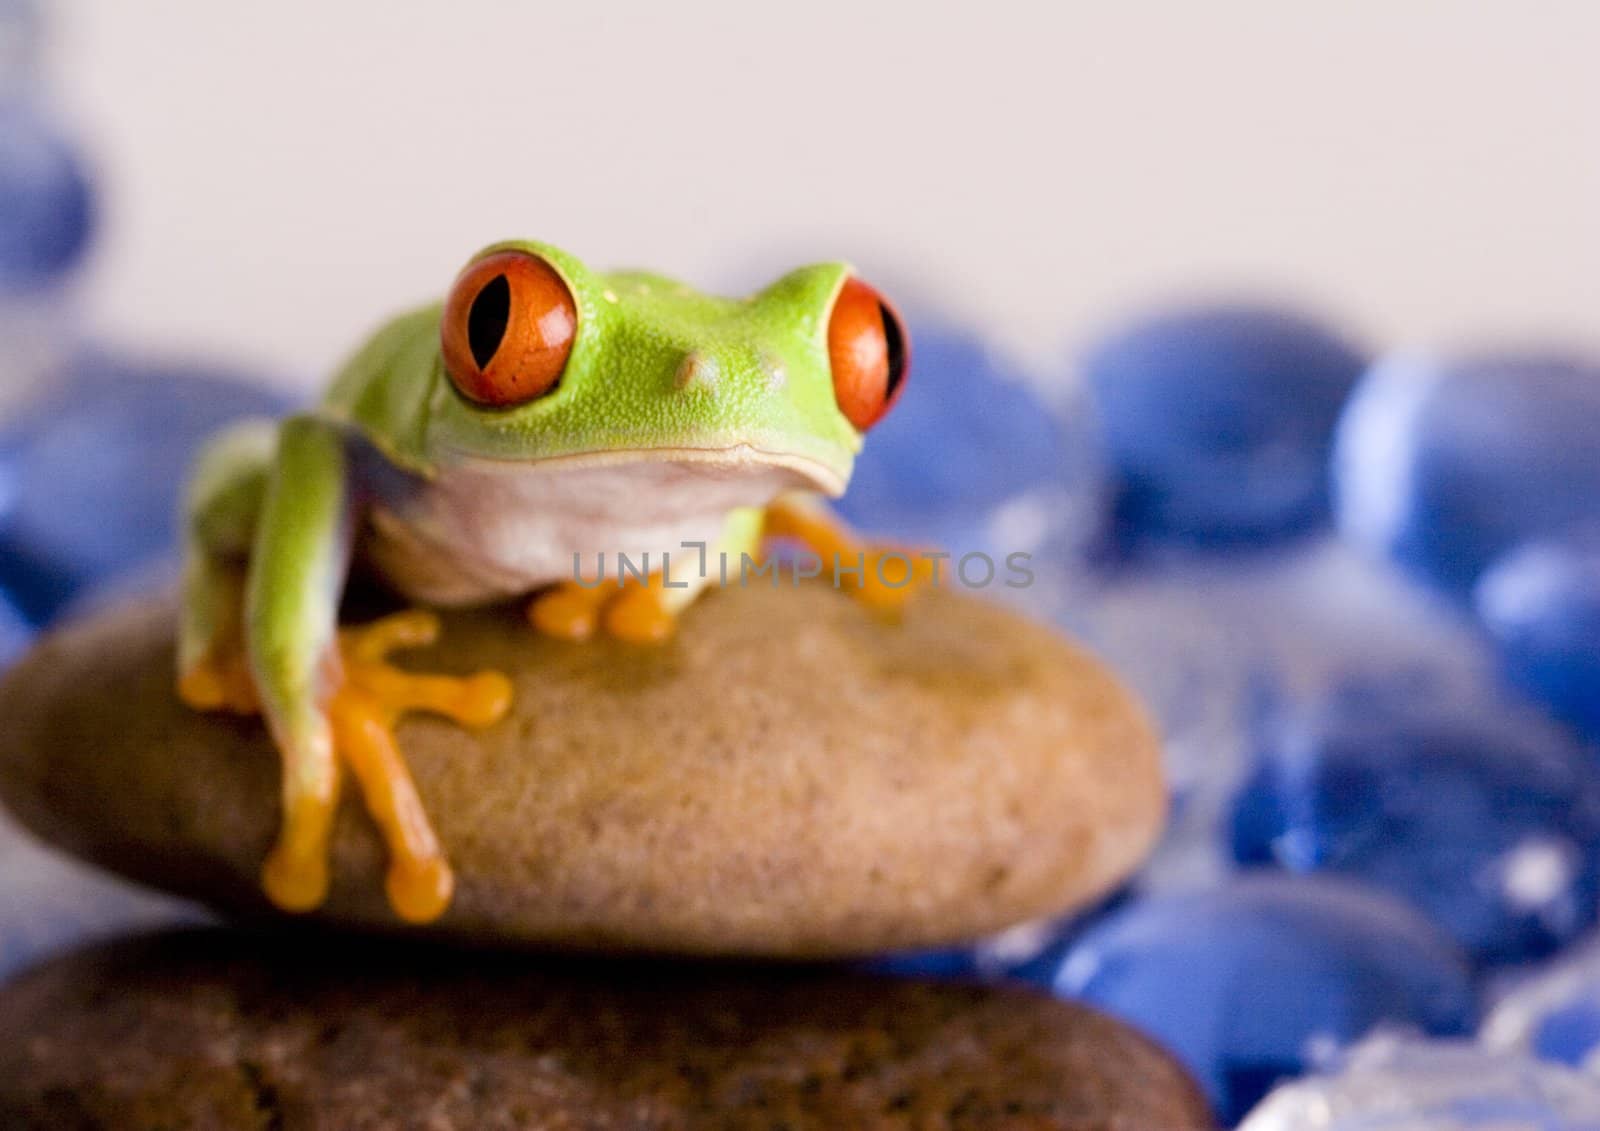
(549, 361)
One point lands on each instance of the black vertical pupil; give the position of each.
(896, 340)
(488, 318)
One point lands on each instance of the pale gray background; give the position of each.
(280, 175)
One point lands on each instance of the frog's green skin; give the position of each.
(675, 410)
(762, 381)
(677, 413)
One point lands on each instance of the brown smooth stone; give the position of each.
(224, 1030)
(788, 777)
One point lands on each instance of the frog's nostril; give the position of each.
(697, 371)
(777, 375)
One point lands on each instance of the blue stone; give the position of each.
(1218, 420)
(1174, 640)
(1392, 1084)
(1215, 644)
(1554, 1013)
(1243, 981)
(956, 962)
(1445, 465)
(1484, 817)
(968, 436)
(46, 204)
(96, 467)
(1028, 953)
(1541, 605)
(15, 632)
(158, 576)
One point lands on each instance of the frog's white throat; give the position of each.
(483, 529)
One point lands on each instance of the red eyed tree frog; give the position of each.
(476, 450)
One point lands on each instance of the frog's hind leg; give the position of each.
(881, 578)
(221, 510)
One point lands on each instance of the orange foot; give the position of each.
(638, 612)
(221, 682)
(362, 714)
(889, 578)
(883, 578)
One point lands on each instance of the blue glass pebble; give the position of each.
(1391, 1084)
(1213, 643)
(1218, 420)
(1445, 465)
(1483, 816)
(1553, 1014)
(1224, 647)
(1244, 981)
(1541, 605)
(968, 436)
(46, 204)
(97, 465)
(1028, 953)
(15, 632)
(1161, 626)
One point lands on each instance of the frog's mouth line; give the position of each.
(815, 475)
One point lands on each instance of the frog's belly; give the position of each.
(486, 531)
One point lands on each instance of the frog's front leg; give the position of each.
(328, 697)
(645, 610)
(362, 713)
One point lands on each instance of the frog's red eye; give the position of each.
(507, 330)
(869, 352)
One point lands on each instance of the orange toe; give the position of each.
(364, 713)
(570, 611)
(220, 685)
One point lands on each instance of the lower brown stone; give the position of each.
(231, 1030)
